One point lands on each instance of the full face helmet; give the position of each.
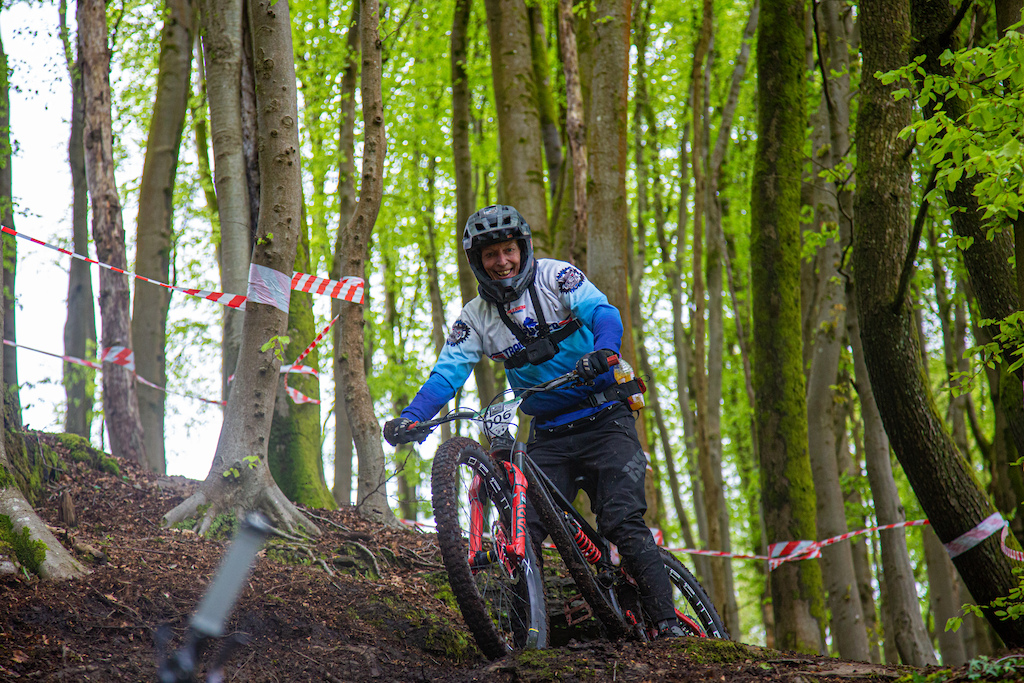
(489, 225)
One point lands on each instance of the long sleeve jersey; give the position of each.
(564, 293)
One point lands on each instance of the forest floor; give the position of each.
(377, 619)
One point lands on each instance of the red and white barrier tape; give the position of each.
(348, 289)
(119, 355)
(984, 529)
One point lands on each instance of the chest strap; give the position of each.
(519, 359)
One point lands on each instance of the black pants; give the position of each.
(602, 454)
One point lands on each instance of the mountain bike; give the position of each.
(479, 498)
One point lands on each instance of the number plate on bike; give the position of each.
(499, 417)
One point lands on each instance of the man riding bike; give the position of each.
(541, 318)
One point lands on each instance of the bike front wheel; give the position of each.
(697, 614)
(501, 599)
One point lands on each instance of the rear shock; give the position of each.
(586, 546)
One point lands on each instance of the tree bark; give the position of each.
(294, 454)
(355, 245)
(221, 23)
(343, 446)
(576, 132)
(946, 487)
(944, 599)
(155, 224)
(786, 481)
(80, 328)
(551, 137)
(465, 193)
(239, 477)
(120, 401)
(515, 99)
(10, 260)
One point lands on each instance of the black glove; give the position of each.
(402, 430)
(593, 364)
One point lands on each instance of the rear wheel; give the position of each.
(502, 601)
(697, 614)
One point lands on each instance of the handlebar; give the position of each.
(570, 378)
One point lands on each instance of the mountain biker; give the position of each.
(542, 318)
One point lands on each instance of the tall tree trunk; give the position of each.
(343, 446)
(716, 325)
(606, 126)
(826, 335)
(355, 245)
(946, 487)
(155, 224)
(642, 104)
(944, 599)
(786, 481)
(576, 131)
(120, 401)
(239, 477)
(10, 254)
(515, 99)
(465, 194)
(294, 454)
(80, 328)
(713, 497)
(221, 25)
(546, 105)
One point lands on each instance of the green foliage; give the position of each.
(983, 142)
(29, 553)
(278, 343)
(1002, 669)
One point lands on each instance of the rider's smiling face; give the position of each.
(501, 260)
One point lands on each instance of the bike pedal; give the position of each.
(578, 613)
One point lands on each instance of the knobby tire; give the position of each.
(699, 608)
(581, 571)
(512, 616)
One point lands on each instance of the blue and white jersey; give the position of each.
(564, 293)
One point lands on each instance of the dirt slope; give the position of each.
(384, 615)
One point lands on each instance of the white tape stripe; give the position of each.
(987, 527)
(269, 286)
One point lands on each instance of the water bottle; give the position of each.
(624, 374)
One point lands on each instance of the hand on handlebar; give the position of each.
(594, 364)
(402, 430)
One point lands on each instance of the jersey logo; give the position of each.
(459, 333)
(569, 279)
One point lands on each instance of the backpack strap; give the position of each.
(543, 331)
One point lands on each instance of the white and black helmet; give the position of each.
(499, 223)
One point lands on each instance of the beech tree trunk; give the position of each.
(343, 446)
(355, 244)
(515, 99)
(239, 478)
(155, 224)
(294, 454)
(120, 400)
(10, 260)
(576, 132)
(786, 481)
(80, 328)
(946, 487)
(221, 23)
(465, 192)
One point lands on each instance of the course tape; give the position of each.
(119, 355)
(269, 286)
(348, 288)
(984, 529)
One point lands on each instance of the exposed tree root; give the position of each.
(244, 488)
(58, 563)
